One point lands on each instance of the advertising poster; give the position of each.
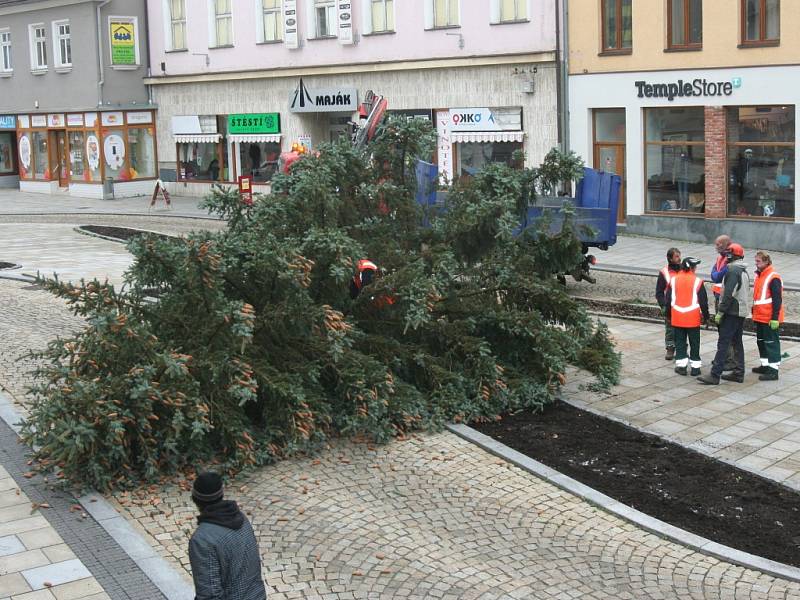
(93, 152)
(114, 148)
(25, 151)
(123, 43)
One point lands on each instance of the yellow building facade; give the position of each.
(694, 103)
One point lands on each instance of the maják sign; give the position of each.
(304, 99)
(683, 89)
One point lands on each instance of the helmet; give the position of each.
(735, 250)
(689, 263)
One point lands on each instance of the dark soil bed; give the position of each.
(122, 234)
(664, 480)
(6, 265)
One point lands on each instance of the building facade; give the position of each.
(694, 103)
(238, 82)
(75, 116)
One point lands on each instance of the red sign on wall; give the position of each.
(246, 189)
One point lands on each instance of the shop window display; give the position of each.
(41, 162)
(473, 156)
(761, 152)
(114, 155)
(7, 165)
(141, 147)
(675, 159)
(77, 158)
(260, 161)
(199, 162)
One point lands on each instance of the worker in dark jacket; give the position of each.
(226, 564)
(767, 315)
(717, 274)
(688, 309)
(734, 307)
(665, 276)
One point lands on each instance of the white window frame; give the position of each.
(496, 8)
(58, 37)
(169, 22)
(261, 25)
(430, 14)
(36, 65)
(6, 53)
(119, 19)
(331, 9)
(212, 25)
(367, 7)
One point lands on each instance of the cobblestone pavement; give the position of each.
(754, 425)
(436, 517)
(629, 287)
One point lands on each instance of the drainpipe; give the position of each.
(562, 31)
(100, 72)
(147, 49)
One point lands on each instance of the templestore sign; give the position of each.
(682, 89)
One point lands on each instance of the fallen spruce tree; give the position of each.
(253, 349)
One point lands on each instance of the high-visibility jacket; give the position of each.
(716, 288)
(364, 265)
(686, 310)
(762, 296)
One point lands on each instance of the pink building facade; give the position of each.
(239, 81)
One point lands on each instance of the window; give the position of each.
(382, 15)
(6, 65)
(474, 156)
(142, 152)
(685, 24)
(177, 19)
(77, 162)
(38, 35)
(513, 10)
(445, 13)
(8, 165)
(62, 44)
(617, 25)
(199, 162)
(761, 21)
(675, 159)
(271, 21)
(761, 175)
(325, 18)
(259, 160)
(41, 160)
(223, 23)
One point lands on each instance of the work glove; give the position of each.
(718, 318)
(774, 325)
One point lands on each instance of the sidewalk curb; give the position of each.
(154, 567)
(77, 229)
(110, 214)
(646, 522)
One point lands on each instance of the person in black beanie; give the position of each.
(223, 551)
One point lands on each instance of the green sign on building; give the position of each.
(254, 123)
(123, 43)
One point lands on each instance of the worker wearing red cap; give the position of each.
(734, 307)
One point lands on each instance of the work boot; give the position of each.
(670, 355)
(729, 366)
(681, 370)
(695, 371)
(708, 379)
(737, 377)
(760, 369)
(769, 375)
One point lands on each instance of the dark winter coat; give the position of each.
(736, 297)
(226, 564)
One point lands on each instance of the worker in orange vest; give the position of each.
(688, 310)
(366, 271)
(768, 316)
(665, 276)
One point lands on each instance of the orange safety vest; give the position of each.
(762, 297)
(685, 307)
(716, 288)
(363, 265)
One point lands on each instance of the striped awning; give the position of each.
(465, 137)
(197, 138)
(256, 138)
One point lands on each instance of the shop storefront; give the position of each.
(87, 154)
(9, 172)
(471, 138)
(697, 147)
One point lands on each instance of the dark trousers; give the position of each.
(730, 334)
(769, 345)
(730, 360)
(692, 334)
(669, 332)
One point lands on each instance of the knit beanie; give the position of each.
(207, 488)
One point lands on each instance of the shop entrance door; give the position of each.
(609, 149)
(62, 159)
(611, 159)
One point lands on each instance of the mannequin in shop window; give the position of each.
(745, 182)
(254, 152)
(680, 177)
